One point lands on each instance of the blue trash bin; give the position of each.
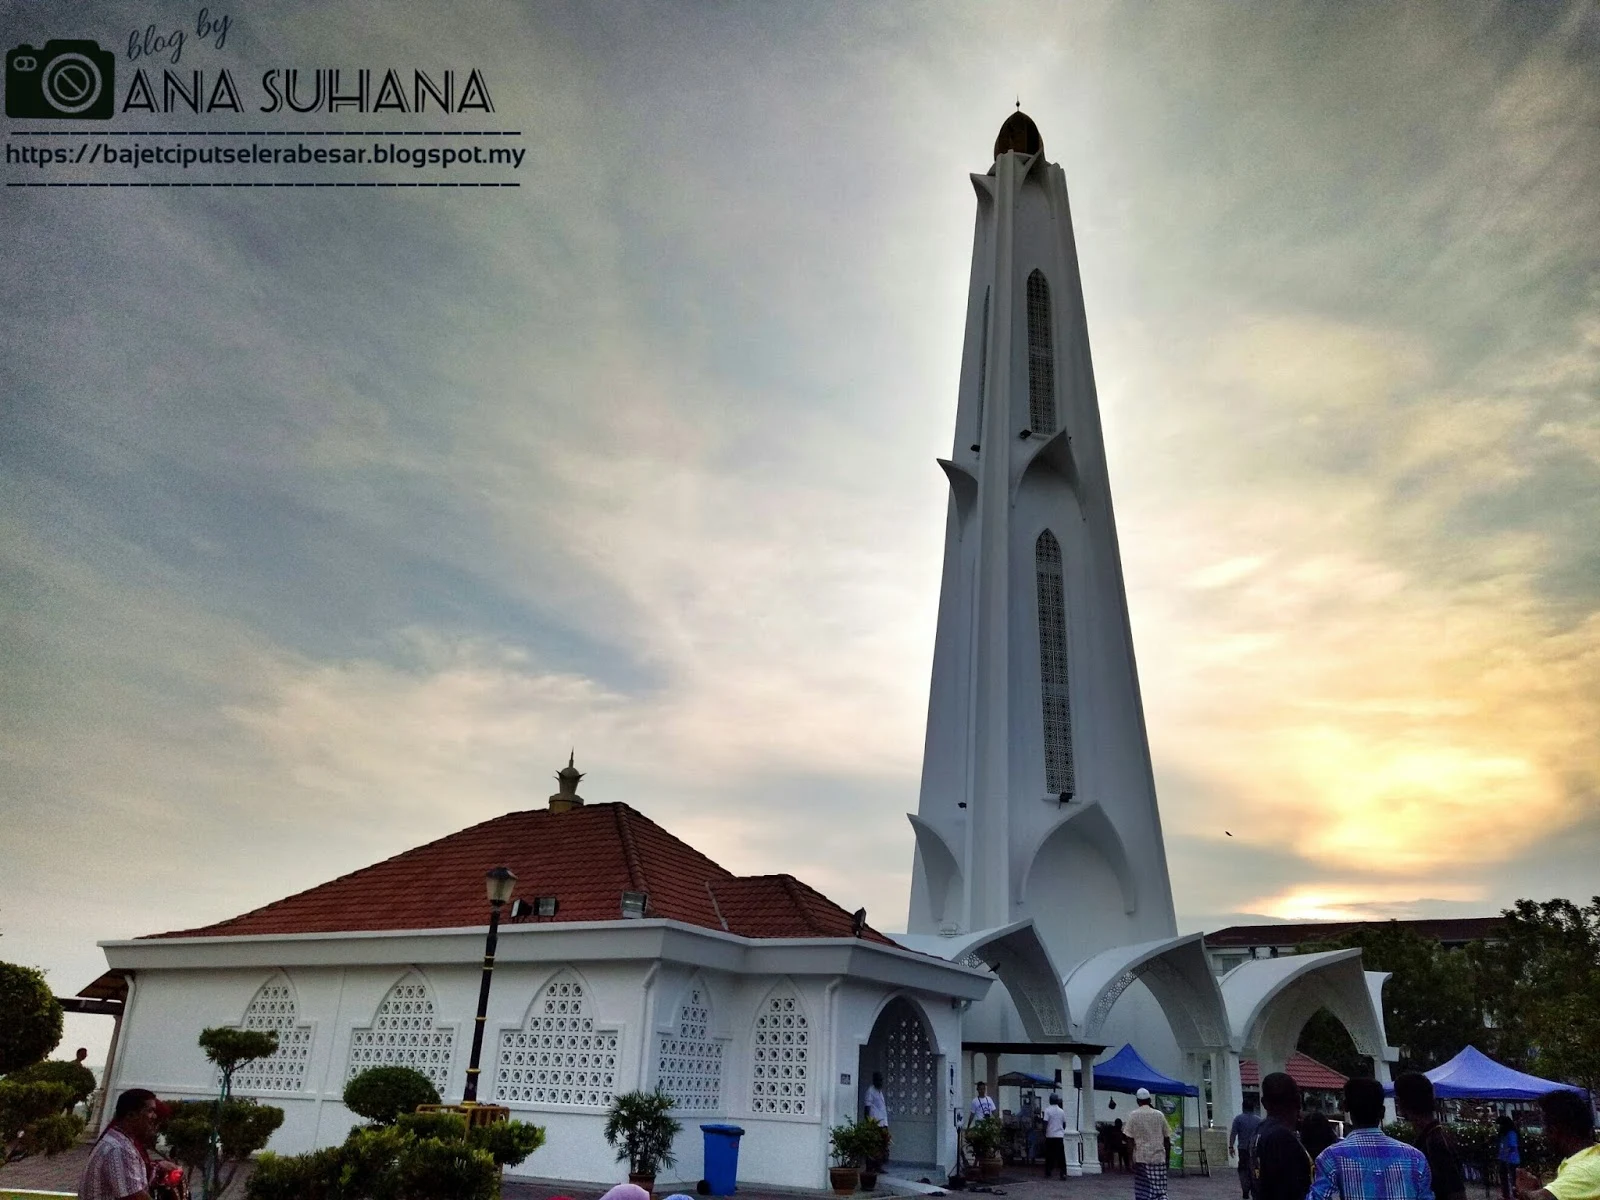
(722, 1157)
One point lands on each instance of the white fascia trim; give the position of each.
(649, 938)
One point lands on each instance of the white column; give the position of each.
(1091, 1144)
(1074, 1139)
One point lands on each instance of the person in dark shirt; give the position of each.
(1316, 1134)
(1280, 1167)
(1413, 1100)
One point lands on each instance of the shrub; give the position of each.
(32, 1120)
(30, 1017)
(507, 1142)
(243, 1126)
(74, 1075)
(446, 1126)
(383, 1163)
(380, 1094)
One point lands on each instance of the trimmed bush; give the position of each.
(446, 1126)
(380, 1094)
(507, 1142)
(79, 1079)
(385, 1163)
(32, 1119)
(244, 1127)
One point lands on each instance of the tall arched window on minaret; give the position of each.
(1041, 358)
(1053, 680)
(983, 365)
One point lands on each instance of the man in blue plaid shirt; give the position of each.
(1368, 1164)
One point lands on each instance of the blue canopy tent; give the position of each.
(1125, 1071)
(1474, 1075)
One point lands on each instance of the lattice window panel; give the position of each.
(1041, 358)
(273, 1011)
(908, 1077)
(559, 1056)
(1053, 680)
(781, 1071)
(689, 1060)
(405, 1034)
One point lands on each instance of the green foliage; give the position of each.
(381, 1163)
(78, 1078)
(1540, 986)
(435, 1170)
(30, 1018)
(641, 1128)
(244, 1125)
(856, 1143)
(231, 1048)
(985, 1136)
(507, 1142)
(32, 1119)
(1325, 1039)
(1430, 1002)
(380, 1094)
(1478, 1144)
(447, 1126)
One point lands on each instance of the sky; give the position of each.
(331, 520)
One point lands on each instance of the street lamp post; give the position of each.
(499, 883)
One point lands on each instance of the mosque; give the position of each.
(1041, 933)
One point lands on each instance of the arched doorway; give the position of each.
(900, 1050)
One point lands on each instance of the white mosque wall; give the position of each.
(637, 1002)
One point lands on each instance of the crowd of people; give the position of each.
(1288, 1156)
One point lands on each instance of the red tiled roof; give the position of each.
(1302, 1068)
(1448, 929)
(586, 858)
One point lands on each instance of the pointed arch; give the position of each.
(1041, 357)
(273, 1009)
(781, 1055)
(558, 1055)
(1054, 683)
(689, 1056)
(405, 1033)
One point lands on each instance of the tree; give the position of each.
(230, 1049)
(33, 1121)
(32, 1116)
(77, 1077)
(1539, 985)
(1430, 1001)
(380, 1094)
(30, 1018)
(641, 1128)
(243, 1127)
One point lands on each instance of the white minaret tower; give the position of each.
(1037, 793)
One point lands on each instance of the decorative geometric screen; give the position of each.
(558, 1056)
(781, 1075)
(1058, 772)
(404, 1035)
(1041, 358)
(689, 1059)
(908, 1070)
(273, 1011)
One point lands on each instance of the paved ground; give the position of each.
(1019, 1183)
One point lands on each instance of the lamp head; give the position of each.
(499, 883)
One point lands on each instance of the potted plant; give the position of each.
(878, 1137)
(985, 1136)
(641, 1128)
(850, 1144)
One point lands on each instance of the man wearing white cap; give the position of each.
(1152, 1145)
